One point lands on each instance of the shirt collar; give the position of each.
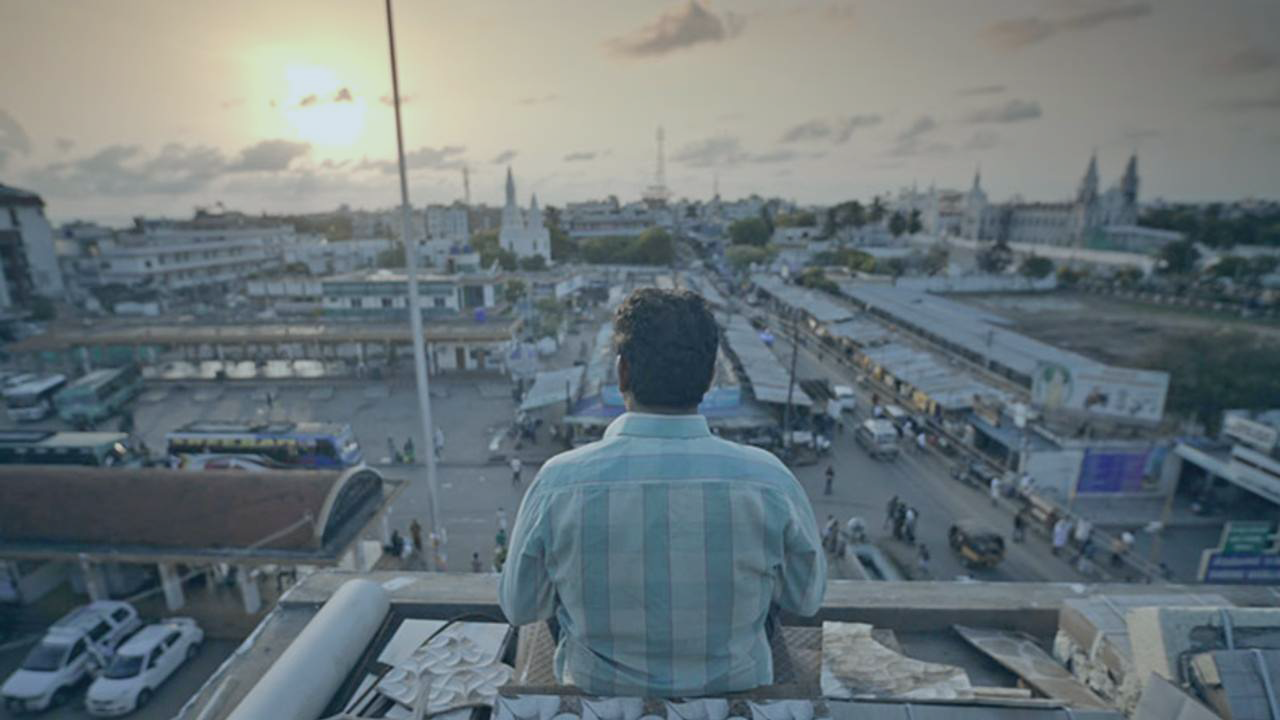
(660, 426)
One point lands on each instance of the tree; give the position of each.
(393, 258)
(742, 257)
(486, 243)
(845, 257)
(893, 267)
(563, 247)
(816, 279)
(876, 214)
(1209, 373)
(913, 222)
(514, 292)
(995, 258)
(1178, 258)
(534, 263)
(897, 224)
(1036, 267)
(804, 218)
(751, 231)
(935, 261)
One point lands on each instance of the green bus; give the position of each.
(98, 395)
(46, 447)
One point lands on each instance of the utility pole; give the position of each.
(415, 311)
(791, 385)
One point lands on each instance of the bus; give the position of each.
(46, 447)
(98, 395)
(33, 398)
(299, 445)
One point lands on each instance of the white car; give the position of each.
(844, 397)
(142, 664)
(54, 668)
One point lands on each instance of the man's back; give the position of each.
(660, 551)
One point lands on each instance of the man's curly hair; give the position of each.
(669, 340)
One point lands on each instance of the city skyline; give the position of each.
(156, 109)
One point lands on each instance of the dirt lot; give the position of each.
(1108, 329)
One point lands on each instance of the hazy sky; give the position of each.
(110, 109)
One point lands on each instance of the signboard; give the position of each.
(1243, 538)
(1113, 471)
(1246, 554)
(1102, 390)
(1250, 432)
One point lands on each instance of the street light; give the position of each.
(415, 311)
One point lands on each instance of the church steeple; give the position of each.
(511, 189)
(1129, 183)
(1088, 192)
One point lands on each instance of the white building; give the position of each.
(28, 262)
(323, 257)
(608, 218)
(183, 258)
(448, 222)
(523, 232)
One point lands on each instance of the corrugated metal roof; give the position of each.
(819, 306)
(769, 380)
(553, 386)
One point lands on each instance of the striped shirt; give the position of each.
(660, 550)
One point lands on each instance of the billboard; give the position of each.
(1102, 390)
(1250, 432)
(1114, 471)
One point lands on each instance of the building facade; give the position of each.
(1083, 221)
(28, 261)
(180, 258)
(448, 222)
(523, 232)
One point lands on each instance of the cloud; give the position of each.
(981, 90)
(13, 139)
(983, 140)
(232, 103)
(1270, 101)
(726, 150)
(309, 100)
(1017, 33)
(504, 157)
(1135, 134)
(447, 157)
(390, 101)
(580, 156)
(65, 144)
(837, 131)
(344, 95)
(922, 125)
(1010, 112)
(684, 27)
(269, 156)
(774, 157)
(125, 170)
(914, 139)
(1244, 61)
(539, 99)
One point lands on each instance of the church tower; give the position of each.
(1129, 183)
(976, 210)
(1086, 215)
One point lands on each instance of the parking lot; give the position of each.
(168, 699)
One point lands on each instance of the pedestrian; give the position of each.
(396, 544)
(890, 512)
(1061, 530)
(831, 477)
(438, 555)
(909, 525)
(922, 560)
(408, 451)
(856, 529)
(439, 442)
(1024, 484)
(995, 491)
(899, 520)
(499, 558)
(1083, 536)
(1121, 547)
(877, 411)
(501, 538)
(908, 428)
(415, 532)
(392, 453)
(475, 562)
(502, 519)
(1020, 525)
(516, 466)
(829, 534)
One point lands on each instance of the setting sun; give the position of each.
(321, 110)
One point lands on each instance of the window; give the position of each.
(171, 639)
(386, 302)
(76, 650)
(102, 628)
(155, 656)
(439, 302)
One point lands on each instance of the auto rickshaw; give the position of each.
(976, 544)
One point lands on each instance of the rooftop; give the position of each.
(12, 196)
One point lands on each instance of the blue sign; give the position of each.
(1104, 471)
(1255, 569)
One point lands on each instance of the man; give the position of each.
(415, 532)
(475, 562)
(516, 467)
(995, 491)
(662, 550)
(1020, 525)
(831, 478)
(1061, 529)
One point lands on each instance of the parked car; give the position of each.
(83, 640)
(142, 664)
(879, 438)
(844, 397)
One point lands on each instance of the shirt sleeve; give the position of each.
(804, 565)
(525, 592)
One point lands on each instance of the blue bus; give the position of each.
(301, 444)
(98, 395)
